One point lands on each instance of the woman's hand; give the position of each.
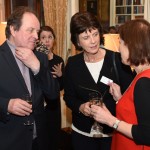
(57, 70)
(115, 91)
(102, 115)
(85, 109)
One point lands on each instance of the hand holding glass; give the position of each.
(96, 99)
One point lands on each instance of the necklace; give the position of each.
(142, 68)
(86, 57)
(97, 57)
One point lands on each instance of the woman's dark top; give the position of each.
(53, 110)
(77, 78)
(54, 103)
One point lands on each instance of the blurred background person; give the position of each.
(132, 121)
(112, 30)
(53, 107)
(83, 75)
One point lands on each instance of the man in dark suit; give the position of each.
(16, 55)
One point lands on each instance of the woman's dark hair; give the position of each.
(81, 22)
(136, 36)
(15, 19)
(112, 29)
(46, 28)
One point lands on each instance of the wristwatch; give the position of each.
(115, 125)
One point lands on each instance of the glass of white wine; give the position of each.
(96, 99)
(27, 98)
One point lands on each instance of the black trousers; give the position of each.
(35, 144)
(81, 142)
(53, 124)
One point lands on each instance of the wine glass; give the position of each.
(96, 99)
(28, 99)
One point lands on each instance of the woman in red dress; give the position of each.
(132, 120)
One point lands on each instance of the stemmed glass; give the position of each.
(28, 99)
(96, 99)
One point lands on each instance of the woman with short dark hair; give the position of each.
(84, 74)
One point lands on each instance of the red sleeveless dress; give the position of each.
(125, 111)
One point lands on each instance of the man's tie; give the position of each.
(26, 76)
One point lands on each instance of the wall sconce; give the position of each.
(2, 23)
(2, 32)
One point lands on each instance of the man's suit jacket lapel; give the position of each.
(8, 56)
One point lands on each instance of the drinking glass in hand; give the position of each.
(28, 99)
(96, 99)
